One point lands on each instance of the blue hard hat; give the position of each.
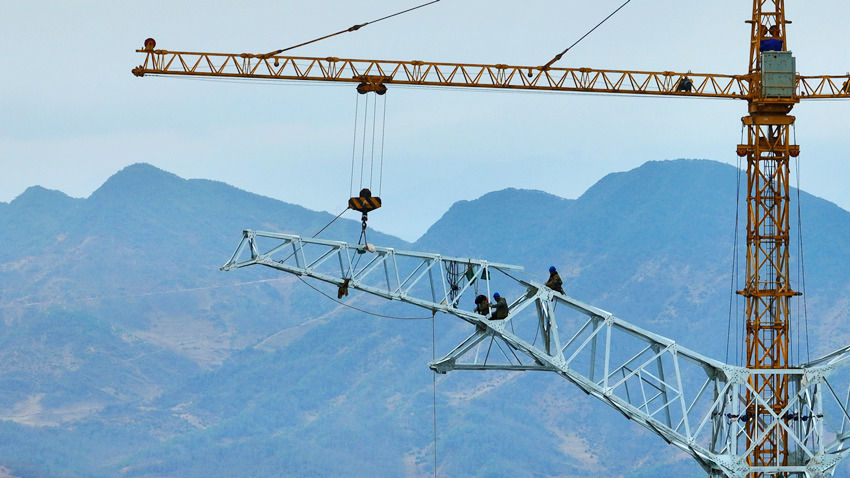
(496, 295)
(552, 269)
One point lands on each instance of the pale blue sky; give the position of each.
(73, 114)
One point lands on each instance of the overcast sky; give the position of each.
(73, 115)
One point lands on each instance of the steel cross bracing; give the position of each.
(695, 403)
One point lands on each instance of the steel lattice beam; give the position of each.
(699, 405)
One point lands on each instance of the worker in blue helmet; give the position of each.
(554, 281)
(501, 306)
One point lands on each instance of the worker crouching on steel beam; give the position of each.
(501, 307)
(554, 281)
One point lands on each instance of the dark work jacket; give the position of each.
(770, 44)
(555, 282)
(501, 307)
(483, 307)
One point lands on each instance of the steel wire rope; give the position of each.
(797, 346)
(560, 55)
(536, 333)
(191, 289)
(316, 234)
(363, 144)
(354, 143)
(383, 137)
(802, 265)
(349, 29)
(733, 297)
(433, 358)
(495, 89)
(332, 221)
(372, 147)
(478, 89)
(395, 317)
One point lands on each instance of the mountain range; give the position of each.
(124, 351)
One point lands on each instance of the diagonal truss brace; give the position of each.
(693, 402)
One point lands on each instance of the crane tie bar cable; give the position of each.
(560, 55)
(349, 29)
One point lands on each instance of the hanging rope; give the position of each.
(383, 136)
(560, 55)
(433, 358)
(363, 231)
(314, 235)
(332, 221)
(372, 149)
(352, 28)
(733, 297)
(802, 265)
(366, 201)
(354, 144)
(363, 148)
(373, 138)
(357, 308)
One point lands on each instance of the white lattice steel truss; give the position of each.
(694, 403)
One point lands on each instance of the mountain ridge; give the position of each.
(136, 357)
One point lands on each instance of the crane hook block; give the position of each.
(373, 83)
(366, 202)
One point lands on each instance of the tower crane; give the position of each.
(770, 418)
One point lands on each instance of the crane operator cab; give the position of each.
(778, 74)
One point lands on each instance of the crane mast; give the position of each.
(767, 287)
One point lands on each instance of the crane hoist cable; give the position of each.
(434, 382)
(733, 286)
(365, 201)
(352, 28)
(802, 263)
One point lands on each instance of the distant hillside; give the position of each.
(653, 245)
(124, 351)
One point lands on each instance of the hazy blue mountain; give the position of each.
(653, 245)
(125, 352)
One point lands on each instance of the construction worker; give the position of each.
(482, 305)
(684, 84)
(554, 281)
(501, 306)
(771, 40)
